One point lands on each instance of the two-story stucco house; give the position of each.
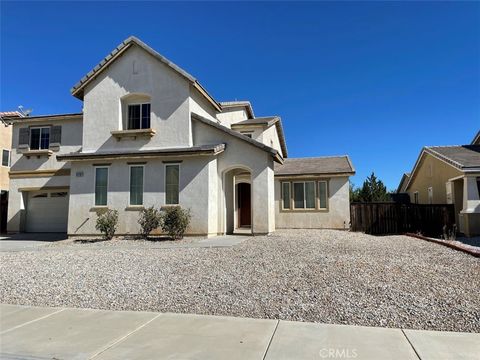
(150, 134)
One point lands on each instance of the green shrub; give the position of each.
(107, 223)
(175, 221)
(149, 220)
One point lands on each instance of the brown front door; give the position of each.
(244, 208)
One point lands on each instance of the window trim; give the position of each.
(165, 182)
(49, 127)
(95, 167)
(304, 208)
(130, 185)
(9, 160)
(128, 111)
(415, 197)
(326, 195)
(316, 181)
(282, 202)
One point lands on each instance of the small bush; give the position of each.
(107, 223)
(149, 220)
(175, 221)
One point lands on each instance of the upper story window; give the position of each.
(39, 138)
(6, 158)
(138, 116)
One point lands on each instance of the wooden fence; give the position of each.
(393, 218)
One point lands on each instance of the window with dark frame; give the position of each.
(138, 116)
(39, 138)
(172, 184)
(101, 186)
(6, 157)
(136, 185)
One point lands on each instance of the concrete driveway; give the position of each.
(28, 241)
(62, 333)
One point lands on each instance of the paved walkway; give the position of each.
(28, 241)
(58, 333)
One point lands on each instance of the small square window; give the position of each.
(138, 116)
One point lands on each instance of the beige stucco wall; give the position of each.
(336, 217)
(169, 95)
(241, 155)
(434, 173)
(195, 193)
(5, 144)
(232, 115)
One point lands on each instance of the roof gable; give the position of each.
(266, 121)
(465, 158)
(78, 89)
(273, 152)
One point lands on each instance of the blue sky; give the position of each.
(375, 80)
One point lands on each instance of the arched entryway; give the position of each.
(238, 200)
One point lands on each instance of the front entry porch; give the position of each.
(464, 193)
(238, 196)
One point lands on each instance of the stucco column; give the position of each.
(471, 198)
(263, 202)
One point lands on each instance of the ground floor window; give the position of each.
(304, 195)
(136, 185)
(172, 178)
(101, 186)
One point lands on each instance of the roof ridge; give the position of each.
(448, 146)
(318, 157)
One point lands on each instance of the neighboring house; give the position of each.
(5, 150)
(449, 174)
(150, 134)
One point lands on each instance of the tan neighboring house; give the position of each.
(150, 134)
(5, 157)
(448, 175)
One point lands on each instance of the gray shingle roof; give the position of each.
(245, 103)
(267, 120)
(463, 157)
(315, 166)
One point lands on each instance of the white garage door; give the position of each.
(47, 211)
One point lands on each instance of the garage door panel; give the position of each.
(47, 211)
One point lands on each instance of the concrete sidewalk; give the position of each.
(46, 333)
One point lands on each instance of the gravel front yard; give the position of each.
(306, 275)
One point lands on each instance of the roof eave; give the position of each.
(318, 174)
(274, 153)
(215, 150)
